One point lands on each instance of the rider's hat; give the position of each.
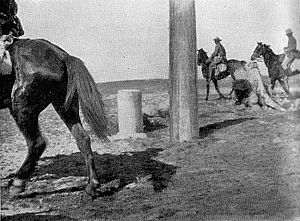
(288, 31)
(217, 39)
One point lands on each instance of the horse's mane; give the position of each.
(267, 47)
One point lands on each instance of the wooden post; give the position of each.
(130, 114)
(183, 71)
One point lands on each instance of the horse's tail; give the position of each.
(82, 83)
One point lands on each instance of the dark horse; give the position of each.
(232, 66)
(272, 61)
(45, 74)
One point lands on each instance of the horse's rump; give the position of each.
(235, 65)
(39, 59)
(61, 77)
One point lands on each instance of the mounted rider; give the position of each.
(290, 50)
(9, 22)
(217, 57)
(10, 27)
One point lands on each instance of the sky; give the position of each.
(129, 39)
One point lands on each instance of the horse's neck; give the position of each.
(270, 58)
(204, 67)
(204, 59)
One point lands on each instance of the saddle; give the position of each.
(221, 67)
(220, 64)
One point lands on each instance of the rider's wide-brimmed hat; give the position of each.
(288, 31)
(217, 39)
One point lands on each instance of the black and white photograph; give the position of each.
(145, 110)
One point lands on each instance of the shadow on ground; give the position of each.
(36, 217)
(127, 168)
(151, 128)
(210, 128)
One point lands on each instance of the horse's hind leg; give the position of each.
(273, 83)
(284, 85)
(215, 81)
(72, 120)
(27, 121)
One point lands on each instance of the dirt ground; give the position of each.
(245, 165)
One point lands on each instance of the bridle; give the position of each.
(258, 57)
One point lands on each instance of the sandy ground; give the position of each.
(245, 165)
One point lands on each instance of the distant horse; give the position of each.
(272, 61)
(45, 74)
(232, 66)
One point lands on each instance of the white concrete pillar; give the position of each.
(130, 114)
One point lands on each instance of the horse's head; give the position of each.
(259, 51)
(202, 56)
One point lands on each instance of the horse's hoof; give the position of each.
(16, 187)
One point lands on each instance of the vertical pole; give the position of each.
(183, 71)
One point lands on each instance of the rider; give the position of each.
(10, 25)
(218, 56)
(291, 48)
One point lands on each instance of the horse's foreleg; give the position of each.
(208, 78)
(207, 87)
(28, 125)
(72, 120)
(234, 79)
